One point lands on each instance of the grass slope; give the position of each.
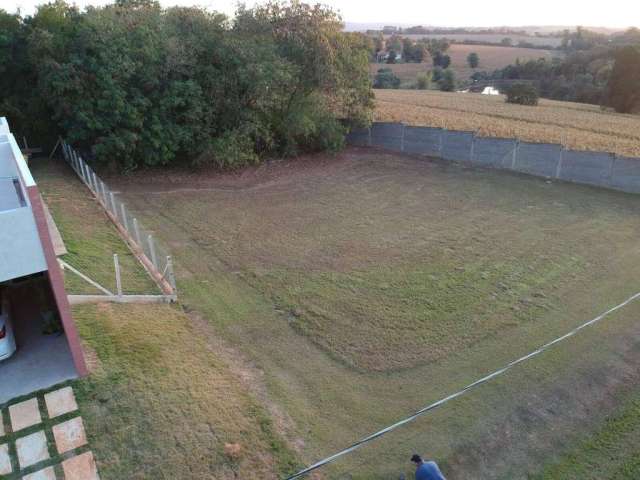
(161, 403)
(369, 285)
(88, 234)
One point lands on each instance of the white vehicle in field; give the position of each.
(7, 340)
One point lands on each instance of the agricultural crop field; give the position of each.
(577, 126)
(491, 58)
(492, 38)
(362, 287)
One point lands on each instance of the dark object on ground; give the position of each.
(426, 470)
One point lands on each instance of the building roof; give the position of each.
(21, 251)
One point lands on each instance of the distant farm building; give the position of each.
(490, 91)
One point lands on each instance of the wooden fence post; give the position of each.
(103, 196)
(152, 250)
(95, 182)
(116, 265)
(113, 204)
(136, 231)
(170, 274)
(124, 216)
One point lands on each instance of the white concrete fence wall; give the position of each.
(546, 160)
(153, 257)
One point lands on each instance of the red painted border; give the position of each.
(57, 282)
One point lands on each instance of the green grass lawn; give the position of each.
(161, 403)
(365, 287)
(163, 400)
(612, 451)
(445, 259)
(90, 237)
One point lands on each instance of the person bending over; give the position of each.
(426, 470)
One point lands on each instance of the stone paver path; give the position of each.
(43, 438)
(24, 414)
(69, 435)
(82, 467)
(60, 402)
(45, 474)
(32, 449)
(5, 460)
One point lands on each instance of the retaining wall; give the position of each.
(546, 160)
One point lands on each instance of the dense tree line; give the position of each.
(412, 51)
(420, 30)
(584, 39)
(603, 75)
(134, 84)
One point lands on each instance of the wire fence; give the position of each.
(153, 256)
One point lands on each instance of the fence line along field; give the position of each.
(491, 58)
(576, 126)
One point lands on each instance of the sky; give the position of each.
(613, 13)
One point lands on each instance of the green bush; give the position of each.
(473, 60)
(448, 81)
(423, 81)
(385, 78)
(233, 149)
(441, 60)
(436, 74)
(522, 94)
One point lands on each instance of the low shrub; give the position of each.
(523, 94)
(423, 81)
(385, 78)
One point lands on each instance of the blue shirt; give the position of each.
(429, 471)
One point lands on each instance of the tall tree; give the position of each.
(623, 90)
(441, 60)
(448, 81)
(473, 60)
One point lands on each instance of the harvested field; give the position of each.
(577, 126)
(365, 286)
(491, 58)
